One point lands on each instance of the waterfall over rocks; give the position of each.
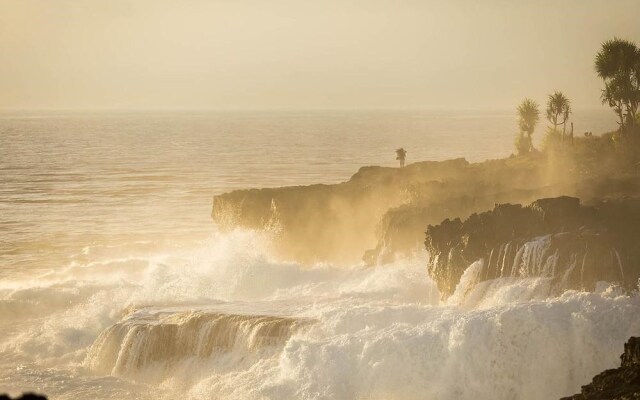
(557, 238)
(150, 343)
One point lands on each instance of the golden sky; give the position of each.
(261, 54)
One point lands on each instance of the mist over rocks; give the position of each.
(580, 225)
(334, 223)
(622, 383)
(381, 213)
(557, 238)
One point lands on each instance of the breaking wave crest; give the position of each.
(157, 343)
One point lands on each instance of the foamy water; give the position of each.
(114, 283)
(224, 320)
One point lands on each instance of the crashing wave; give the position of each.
(151, 341)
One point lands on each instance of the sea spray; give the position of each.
(226, 320)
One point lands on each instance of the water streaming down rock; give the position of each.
(572, 245)
(571, 259)
(150, 342)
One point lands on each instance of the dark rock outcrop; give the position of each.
(616, 384)
(558, 238)
(401, 229)
(25, 396)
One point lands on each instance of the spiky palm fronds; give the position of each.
(528, 116)
(558, 108)
(618, 64)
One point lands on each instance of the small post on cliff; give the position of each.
(401, 155)
(571, 132)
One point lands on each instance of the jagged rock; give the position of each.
(574, 245)
(616, 384)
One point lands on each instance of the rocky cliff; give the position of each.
(328, 222)
(381, 213)
(573, 245)
(616, 384)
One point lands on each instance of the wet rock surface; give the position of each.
(622, 383)
(557, 238)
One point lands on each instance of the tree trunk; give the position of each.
(572, 133)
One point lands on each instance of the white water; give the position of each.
(224, 320)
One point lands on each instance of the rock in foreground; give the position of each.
(616, 384)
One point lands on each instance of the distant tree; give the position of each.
(558, 110)
(401, 155)
(528, 116)
(618, 64)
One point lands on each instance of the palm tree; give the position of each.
(618, 64)
(558, 110)
(528, 116)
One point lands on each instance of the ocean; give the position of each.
(115, 282)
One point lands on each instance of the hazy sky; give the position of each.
(159, 54)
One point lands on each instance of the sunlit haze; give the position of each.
(253, 54)
(320, 200)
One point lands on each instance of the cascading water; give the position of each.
(563, 261)
(155, 340)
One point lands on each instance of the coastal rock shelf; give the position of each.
(381, 213)
(575, 246)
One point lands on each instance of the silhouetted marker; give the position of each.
(401, 154)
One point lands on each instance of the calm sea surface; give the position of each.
(70, 181)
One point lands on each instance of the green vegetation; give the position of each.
(618, 64)
(558, 110)
(528, 116)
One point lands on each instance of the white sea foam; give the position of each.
(224, 320)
